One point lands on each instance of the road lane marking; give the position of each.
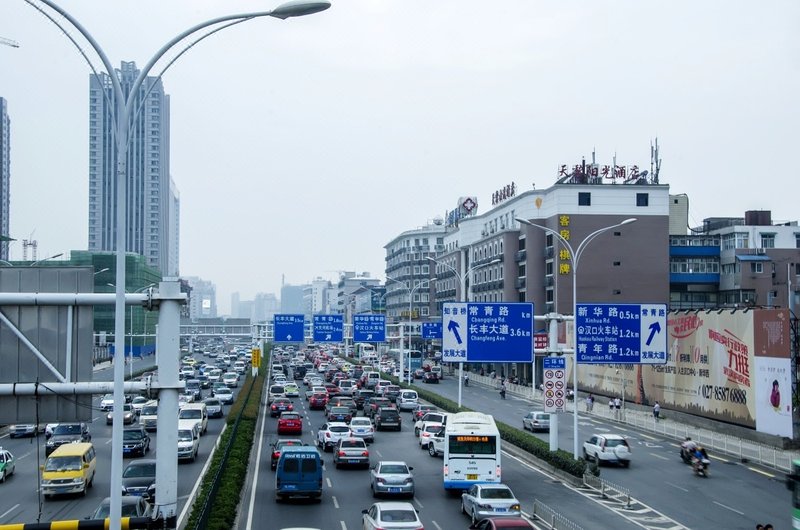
(648, 437)
(335, 502)
(255, 475)
(677, 487)
(770, 475)
(659, 456)
(109, 441)
(344, 526)
(328, 480)
(9, 511)
(720, 459)
(26, 455)
(416, 500)
(729, 508)
(436, 525)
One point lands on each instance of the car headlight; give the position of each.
(46, 482)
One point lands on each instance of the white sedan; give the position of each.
(390, 516)
(230, 379)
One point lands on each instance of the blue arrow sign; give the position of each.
(288, 328)
(488, 332)
(621, 333)
(369, 328)
(431, 330)
(328, 328)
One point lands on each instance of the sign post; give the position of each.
(487, 332)
(369, 328)
(328, 328)
(621, 333)
(288, 328)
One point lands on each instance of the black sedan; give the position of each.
(430, 377)
(135, 441)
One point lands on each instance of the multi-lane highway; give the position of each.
(735, 497)
(19, 495)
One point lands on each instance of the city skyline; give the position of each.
(349, 127)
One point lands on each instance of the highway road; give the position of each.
(347, 491)
(20, 500)
(736, 496)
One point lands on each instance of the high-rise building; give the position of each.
(203, 298)
(152, 199)
(5, 175)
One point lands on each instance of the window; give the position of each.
(767, 240)
(756, 267)
(617, 264)
(642, 199)
(797, 240)
(742, 241)
(548, 296)
(584, 198)
(616, 291)
(548, 268)
(548, 240)
(522, 270)
(522, 242)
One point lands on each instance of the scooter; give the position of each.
(685, 456)
(502, 394)
(700, 467)
(466, 381)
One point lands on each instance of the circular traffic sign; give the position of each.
(559, 384)
(559, 374)
(548, 384)
(548, 374)
(559, 403)
(549, 402)
(560, 393)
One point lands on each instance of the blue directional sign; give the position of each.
(288, 328)
(328, 328)
(431, 330)
(487, 332)
(621, 333)
(369, 328)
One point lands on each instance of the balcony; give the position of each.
(520, 283)
(548, 281)
(521, 255)
(549, 252)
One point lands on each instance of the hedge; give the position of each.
(539, 448)
(221, 489)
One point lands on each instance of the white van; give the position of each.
(407, 400)
(196, 412)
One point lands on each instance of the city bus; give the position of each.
(365, 351)
(471, 450)
(793, 483)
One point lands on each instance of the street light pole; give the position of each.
(464, 298)
(575, 255)
(124, 111)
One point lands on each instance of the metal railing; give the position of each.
(553, 519)
(607, 490)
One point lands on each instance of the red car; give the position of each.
(290, 423)
(276, 449)
(498, 523)
(317, 401)
(332, 389)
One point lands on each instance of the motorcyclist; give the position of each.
(466, 379)
(699, 459)
(687, 449)
(503, 390)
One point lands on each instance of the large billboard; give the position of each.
(727, 365)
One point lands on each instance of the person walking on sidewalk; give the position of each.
(589, 403)
(656, 411)
(618, 406)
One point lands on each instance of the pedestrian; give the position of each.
(617, 406)
(768, 527)
(611, 405)
(759, 526)
(589, 403)
(656, 410)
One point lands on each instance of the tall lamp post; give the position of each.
(130, 363)
(124, 117)
(462, 278)
(54, 256)
(411, 291)
(575, 256)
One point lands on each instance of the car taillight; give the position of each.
(276, 454)
(327, 435)
(365, 453)
(274, 407)
(341, 453)
(291, 407)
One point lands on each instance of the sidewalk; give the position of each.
(635, 416)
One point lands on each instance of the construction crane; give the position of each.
(9, 42)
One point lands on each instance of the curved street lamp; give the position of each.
(575, 257)
(462, 278)
(123, 120)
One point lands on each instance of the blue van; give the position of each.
(299, 473)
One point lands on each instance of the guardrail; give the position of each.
(607, 489)
(553, 519)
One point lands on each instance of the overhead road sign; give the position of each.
(621, 333)
(328, 328)
(487, 332)
(431, 330)
(369, 328)
(555, 384)
(288, 328)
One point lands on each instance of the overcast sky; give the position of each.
(301, 147)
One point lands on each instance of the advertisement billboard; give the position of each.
(728, 365)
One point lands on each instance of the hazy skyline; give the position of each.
(301, 147)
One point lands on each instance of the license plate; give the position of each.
(499, 509)
(394, 490)
(472, 477)
(352, 461)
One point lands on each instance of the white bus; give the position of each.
(471, 450)
(365, 350)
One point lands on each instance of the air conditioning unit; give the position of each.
(484, 233)
(760, 251)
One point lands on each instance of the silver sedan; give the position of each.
(391, 478)
(489, 500)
